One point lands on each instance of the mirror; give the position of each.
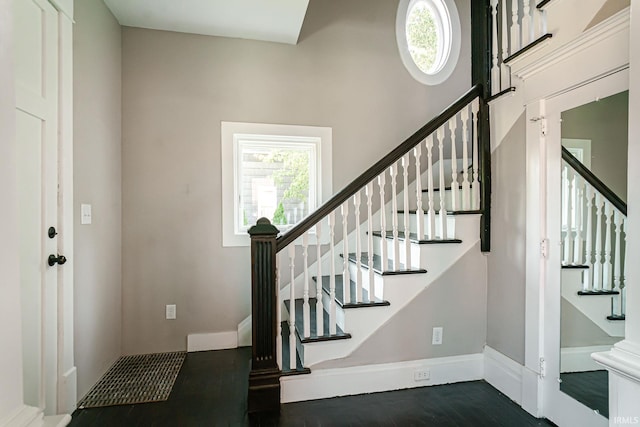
(593, 245)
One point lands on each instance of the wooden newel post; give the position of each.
(264, 378)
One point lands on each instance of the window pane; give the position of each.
(276, 183)
(423, 37)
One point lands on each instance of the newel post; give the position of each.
(264, 378)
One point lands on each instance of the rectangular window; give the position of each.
(279, 172)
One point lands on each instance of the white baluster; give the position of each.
(292, 308)
(475, 182)
(332, 280)
(526, 24)
(536, 30)
(597, 272)
(383, 220)
(394, 216)
(407, 217)
(278, 315)
(567, 257)
(466, 186)
(306, 312)
(455, 205)
(515, 27)
(505, 71)
(356, 202)
(588, 281)
(346, 279)
(431, 212)
(495, 68)
(623, 280)
(319, 305)
(369, 192)
(579, 209)
(442, 213)
(607, 265)
(617, 261)
(417, 153)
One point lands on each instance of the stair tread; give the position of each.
(616, 317)
(377, 265)
(575, 267)
(452, 213)
(286, 369)
(413, 237)
(437, 189)
(601, 292)
(339, 335)
(339, 278)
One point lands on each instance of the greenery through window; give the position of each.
(422, 37)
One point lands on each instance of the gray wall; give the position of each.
(506, 284)
(606, 124)
(610, 8)
(577, 330)
(344, 73)
(10, 332)
(97, 181)
(454, 301)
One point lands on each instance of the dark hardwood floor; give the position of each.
(212, 386)
(590, 388)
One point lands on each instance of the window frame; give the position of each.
(233, 134)
(448, 23)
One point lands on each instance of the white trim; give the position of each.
(29, 416)
(594, 35)
(244, 332)
(503, 373)
(578, 359)
(323, 383)
(228, 131)
(623, 359)
(212, 341)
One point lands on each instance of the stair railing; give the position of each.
(516, 26)
(448, 151)
(594, 224)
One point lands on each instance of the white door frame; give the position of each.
(542, 355)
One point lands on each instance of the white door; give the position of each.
(36, 71)
(558, 406)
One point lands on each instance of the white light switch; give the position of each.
(170, 311)
(85, 214)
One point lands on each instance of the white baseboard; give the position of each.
(68, 398)
(503, 373)
(325, 383)
(28, 416)
(244, 333)
(578, 359)
(212, 341)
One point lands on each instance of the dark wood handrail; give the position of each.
(595, 182)
(375, 170)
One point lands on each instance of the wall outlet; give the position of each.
(171, 311)
(421, 375)
(436, 339)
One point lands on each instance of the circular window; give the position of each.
(428, 35)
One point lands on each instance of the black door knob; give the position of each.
(60, 259)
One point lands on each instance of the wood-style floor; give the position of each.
(590, 388)
(211, 391)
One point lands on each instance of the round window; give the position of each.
(428, 35)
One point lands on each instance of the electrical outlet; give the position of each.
(171, 311)
(421, 375)
(436, 339)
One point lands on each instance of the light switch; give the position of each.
(85, 214)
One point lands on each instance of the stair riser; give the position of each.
(378, 279)
(413, 225)
(340, 315)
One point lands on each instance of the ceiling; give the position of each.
(271, 20)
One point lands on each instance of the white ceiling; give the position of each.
(268, 20)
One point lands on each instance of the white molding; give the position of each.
(503, 373)
(623, 359)
(594, 35)
(244, 332)
(324, 383)
(212, 341)
(29, 416)
(68, 392)
(578, 359)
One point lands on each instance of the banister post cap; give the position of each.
(263, 228)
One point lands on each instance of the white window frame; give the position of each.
(448, 23)
(234, 133)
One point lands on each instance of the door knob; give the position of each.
(60, 259)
